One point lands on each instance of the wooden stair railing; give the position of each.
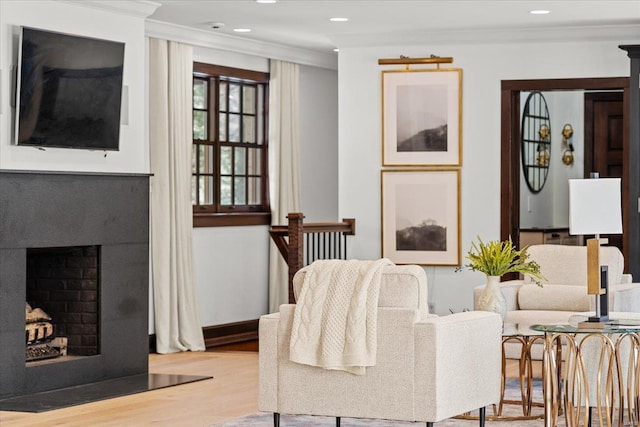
(300, 244)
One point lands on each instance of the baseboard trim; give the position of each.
(230, 333)
(219, 335)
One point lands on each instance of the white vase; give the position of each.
(492, 298)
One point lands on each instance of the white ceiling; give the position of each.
(305, 23)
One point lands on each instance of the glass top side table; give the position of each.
(613, 327)
(523, 334)
(600, 375)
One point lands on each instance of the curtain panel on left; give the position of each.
(177, 322)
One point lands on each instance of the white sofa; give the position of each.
(564, 292)
(428, 368)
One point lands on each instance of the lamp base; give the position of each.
(598, 319)
(594, 325)
(595, 322)
(601, 318)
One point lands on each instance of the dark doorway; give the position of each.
(510, 146)
(604, 142)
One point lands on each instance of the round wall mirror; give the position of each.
(535, 141)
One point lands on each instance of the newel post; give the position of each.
(296, 248)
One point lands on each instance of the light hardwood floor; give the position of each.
(233, 392)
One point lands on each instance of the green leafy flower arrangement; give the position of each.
(497, 258)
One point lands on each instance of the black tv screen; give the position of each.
(69, 91)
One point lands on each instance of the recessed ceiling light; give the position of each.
(336, 50)
(539, 12)
(242, 30)
(266, 1)
(338, 19)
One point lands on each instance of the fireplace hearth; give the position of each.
(76, 246)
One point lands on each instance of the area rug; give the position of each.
(512, 392)
(266, 420)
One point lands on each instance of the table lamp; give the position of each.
(594, 208)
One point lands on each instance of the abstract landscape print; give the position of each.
(421, 117)
(420, 216)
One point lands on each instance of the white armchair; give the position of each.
(564, 293)
(428, 368)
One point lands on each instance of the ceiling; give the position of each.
(305, 23)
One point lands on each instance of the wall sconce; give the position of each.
(542, 159)
(567, 136)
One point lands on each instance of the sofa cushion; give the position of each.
(554, 298)
(538, 317)
(567, 265)
(402, 286)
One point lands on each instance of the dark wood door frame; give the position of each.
(510, 142)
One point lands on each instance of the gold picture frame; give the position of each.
(422, 117)
(421, 216)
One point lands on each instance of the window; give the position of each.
(230, 140)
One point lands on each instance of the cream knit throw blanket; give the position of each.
(334, 322)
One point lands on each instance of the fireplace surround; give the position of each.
(51, 210)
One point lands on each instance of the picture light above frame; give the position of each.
(421, 113)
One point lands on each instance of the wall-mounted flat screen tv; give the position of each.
(69, 91)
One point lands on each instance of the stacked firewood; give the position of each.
(39, 335)
(38, 326)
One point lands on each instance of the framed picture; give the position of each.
(422, 117)
(421, 216)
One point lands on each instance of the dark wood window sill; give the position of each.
(230, 219)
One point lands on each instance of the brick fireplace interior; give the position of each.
(63, 282)
(77, 245)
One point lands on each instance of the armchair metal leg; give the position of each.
(276, 419)
(481, 415)
(337, 421)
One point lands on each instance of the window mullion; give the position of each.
(233, 176)
(220, 147)
(264, 170)
(241, 113)
(197, 174)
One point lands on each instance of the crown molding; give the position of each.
(622, 31)
(135, 8)
(243, 45)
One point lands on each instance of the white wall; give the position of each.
(550, 207)
(231, 273)
(484, 66)
(568, 107)
(85, 21)
(232, 263)
(319, 144)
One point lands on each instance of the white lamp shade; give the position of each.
(594, 206)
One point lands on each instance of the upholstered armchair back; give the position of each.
(424, 369)
(401, 286)
(567, 265)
